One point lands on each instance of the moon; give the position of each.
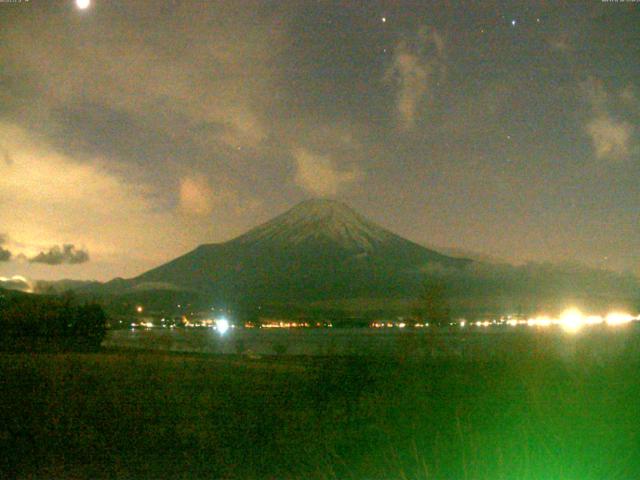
(83, 4)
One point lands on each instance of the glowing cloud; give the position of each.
(318, 175)
(83, 4)
(417, 63)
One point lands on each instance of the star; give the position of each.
(513, 23)
(384, 19)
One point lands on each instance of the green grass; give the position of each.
(150, 415)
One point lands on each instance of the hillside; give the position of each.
(318, 250)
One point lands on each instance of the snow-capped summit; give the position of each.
(320, 220)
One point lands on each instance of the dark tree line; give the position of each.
(48, 323)
(432, 304)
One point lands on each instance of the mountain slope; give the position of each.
(318, 250)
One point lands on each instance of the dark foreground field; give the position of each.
(154, 416)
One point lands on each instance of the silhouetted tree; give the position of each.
(88, 327)
(33, 322)
(433, 304)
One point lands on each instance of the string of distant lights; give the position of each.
(571, 320)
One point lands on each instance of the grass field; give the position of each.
(151, 415)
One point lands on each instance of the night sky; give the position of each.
(133, 131)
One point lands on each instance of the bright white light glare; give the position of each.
(539, 322)
(83, 4)
(222, 325)
(572, 320)
(593, 320)
(618, 318)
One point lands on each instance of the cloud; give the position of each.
(16, 282)
(108, 214)
(98, 142)
(196, 196)
(171, 82)
(67, 254)
(611, 137)
(317, 174)
(417, 63)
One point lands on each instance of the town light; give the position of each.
(618, 318)
(572, 320)
(593, 320)
(222, 325)
(542, 321)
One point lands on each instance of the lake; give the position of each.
(470, 344)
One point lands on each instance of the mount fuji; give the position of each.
(317, 250)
